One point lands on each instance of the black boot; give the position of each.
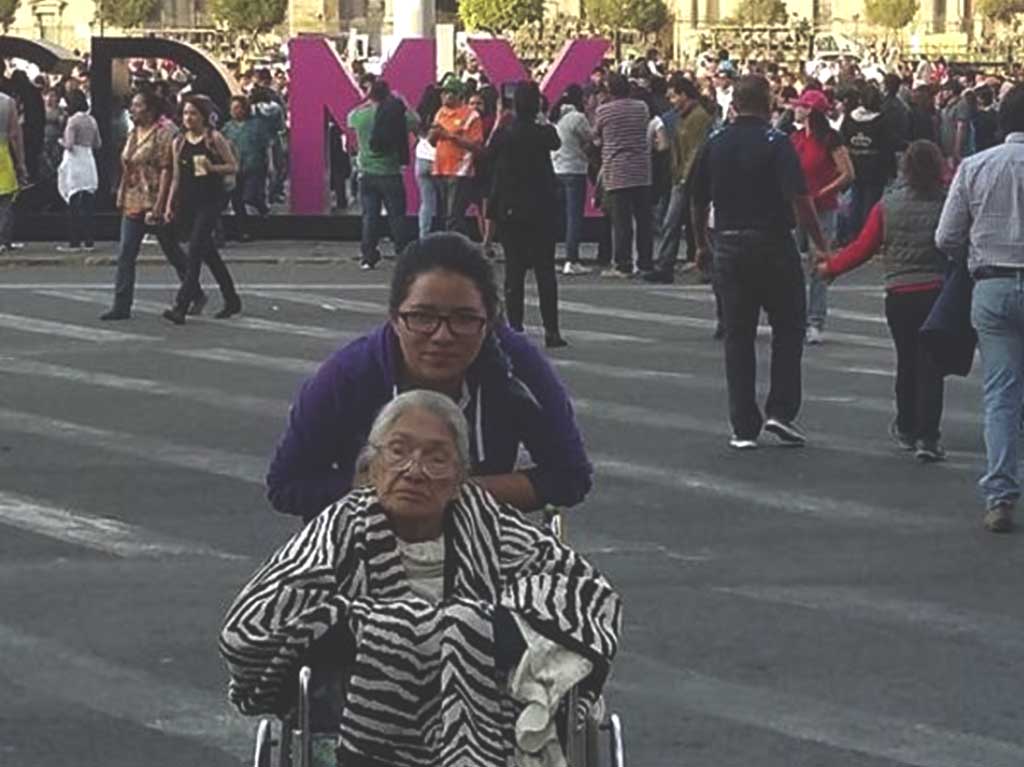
(232, 306)
(116, 314)
(175, 314)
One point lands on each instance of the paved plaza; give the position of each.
(837, 606)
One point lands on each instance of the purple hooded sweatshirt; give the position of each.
(515, 399)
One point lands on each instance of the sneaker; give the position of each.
(905, 441)
(815, 336)
(366, 265)
(116, 314)
(150, 239)
(788, 432)
(89, 248)
(742, 443)
(67, 249)
(659, 277)
(616, 274)
(175, 315)
(930, 451)
(999, 519)
(575, 268)
(16, 246)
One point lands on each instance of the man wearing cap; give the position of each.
(752, 175)
(458, 134)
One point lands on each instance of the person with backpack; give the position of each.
(382, 126)
(203, 176)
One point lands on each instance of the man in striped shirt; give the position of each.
(621, 131)
(983, 216)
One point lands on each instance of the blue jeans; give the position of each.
(574, 190)
(817, 288)
(671, 232)
(428, 196)
(997, 313)
(133, 229)
(373, 191)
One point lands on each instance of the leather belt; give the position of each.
(996, 272)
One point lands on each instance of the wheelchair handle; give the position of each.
(614, 727)
(305, 734)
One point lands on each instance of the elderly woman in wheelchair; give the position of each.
(459, 626)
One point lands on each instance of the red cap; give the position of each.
(813, 100)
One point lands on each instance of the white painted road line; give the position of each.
(238, 357)
(219, 398)
(708, 297)
(825, 508)
(813, 719)
(222, 463)
(251, 469)
(247, 323)
(380, 310)
(64, 330)
(684, 321)
(1000, 632)
(86, 680)
(105, 534)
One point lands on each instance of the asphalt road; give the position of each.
(838, 605)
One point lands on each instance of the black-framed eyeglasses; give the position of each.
(428, 323)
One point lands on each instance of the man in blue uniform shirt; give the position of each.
(751, 174)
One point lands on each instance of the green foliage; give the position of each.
(647, 16)
(892, 14)
(498, 16)
(760, 12)
(127, 14)
(253, 16)
(1000, 10)
(7, 10)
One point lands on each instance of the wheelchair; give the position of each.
(307, 735)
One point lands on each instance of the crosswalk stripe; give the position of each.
(222, 463)
(708, 297)
(50, 667)
(631, 415)
(64, 330)
(811, 719)
(685, 321)
(999, 631)
(247, 323)
(825, 508)
(380, 310)
(251, 469)
(104, 534)
(221, 354)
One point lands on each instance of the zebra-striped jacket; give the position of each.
(424, 689)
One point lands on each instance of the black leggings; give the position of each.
(200, 224)
(919, 384)
(528, 248)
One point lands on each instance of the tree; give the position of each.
(253, 16)
(891, 14)
(127, 14)
(498, 16)
(7, 10)
(760, 12)
(1000, 10)
(645, 16)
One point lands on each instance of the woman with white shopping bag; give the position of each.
(77, 179)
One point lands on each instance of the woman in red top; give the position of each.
(828, 170)
(902, 227)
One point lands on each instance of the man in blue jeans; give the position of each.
(752, 175)
(383, 150)
(983, 215)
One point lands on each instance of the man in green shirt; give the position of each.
(251, 137)
(382, 129)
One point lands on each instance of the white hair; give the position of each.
(418, 399)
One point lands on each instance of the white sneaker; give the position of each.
(742, 443)
(68, 249)
(815, 336)
(150, 239)
(575, 268)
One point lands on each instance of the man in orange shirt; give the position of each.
(458, 134)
